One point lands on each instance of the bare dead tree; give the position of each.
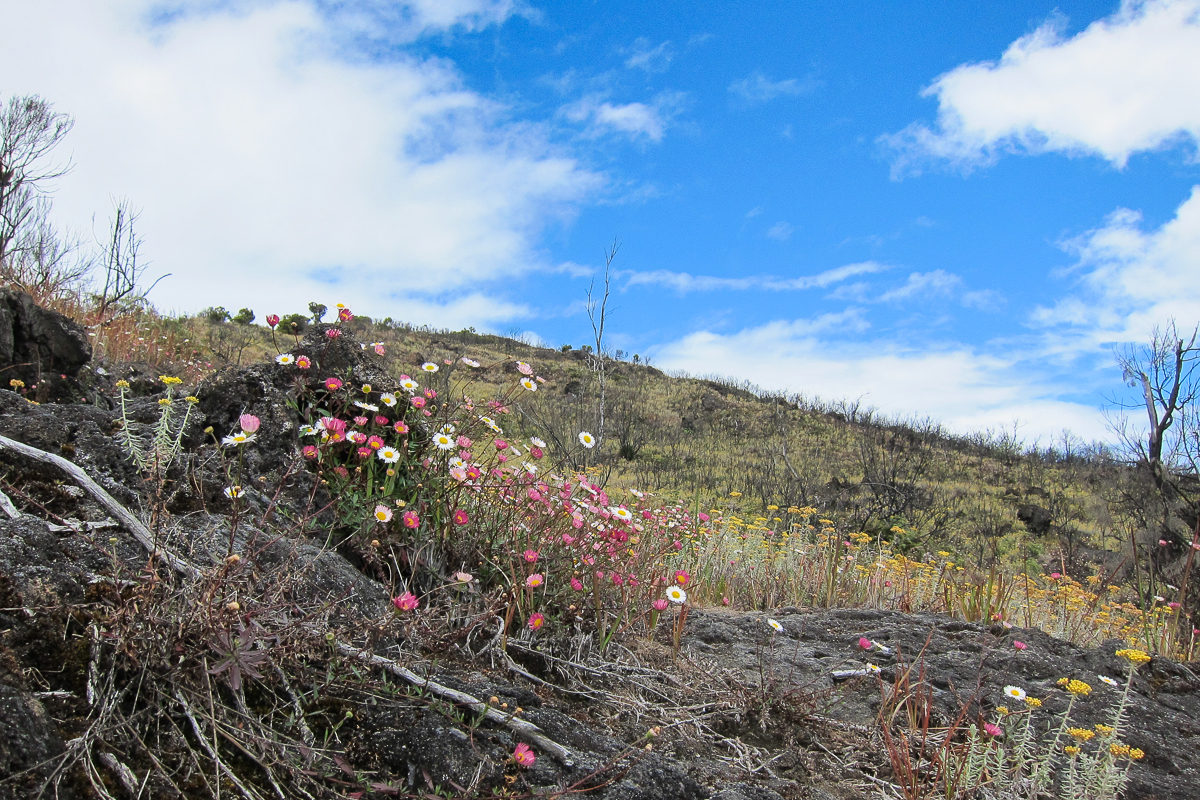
(29, 130)
(42, 260)
(597, 311)
(121, 290)
(1166, 373)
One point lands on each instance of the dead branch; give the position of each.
(526, 729)
(139, 531)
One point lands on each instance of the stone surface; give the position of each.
(37, 344)
(28, 745)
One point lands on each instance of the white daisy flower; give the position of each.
(308, 430)
(388, 455)
(409, 385)
(1108, 680)
(536, 442)
(241, 437)
(447, 429)
(429, 366)
(530, 468)
(775, 625)
(622, 514)
(528, 384)
(388, 399)
(367, 406)
(1015, 692)
(443, 442)
(285, 359)
(234, 492)
(676, 595)
(872, 668)
(470, 362)
(587, 440)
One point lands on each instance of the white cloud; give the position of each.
(271, 166)
(923, 283)
(956, 385)
(1126, 84)
(758, 88)
(1130, 280)
(650, 59)
(780, 231)
(634, 119)
(686, 282)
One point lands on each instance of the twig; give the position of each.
(140, 532)
(306, 733)
(527, 729)
(124, 774)
(7, 507)
(187, 712)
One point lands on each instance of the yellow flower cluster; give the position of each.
(1133, 656)
(1125, 751)
(1071, 750)
(1077, 688)
(1081, 734)
(1033, 702)
(169, 380)
(122, 384)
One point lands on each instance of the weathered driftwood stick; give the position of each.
(131, 523)
(527, 729)
(7, 507)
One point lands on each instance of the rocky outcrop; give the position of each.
(37, 344)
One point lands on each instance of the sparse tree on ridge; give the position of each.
(1166, 373)
(29, 129)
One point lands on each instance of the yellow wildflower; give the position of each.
(1103, 730)
(169, 380)
(122, 384)
(1133, 656)
(1071, 750)
(1081, 734)
(1118, 749)
(1136, 753)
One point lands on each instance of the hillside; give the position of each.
(340, 581)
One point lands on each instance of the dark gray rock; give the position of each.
(967, 665)
(746, 791)
(37, 344)
(28, 745)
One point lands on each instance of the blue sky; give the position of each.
(952, 210)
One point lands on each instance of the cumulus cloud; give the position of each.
(686, 282)
(637, 120)
(1127, 83)
(1129, 279)
(271, 164)
(758, 88)
(963, 388)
